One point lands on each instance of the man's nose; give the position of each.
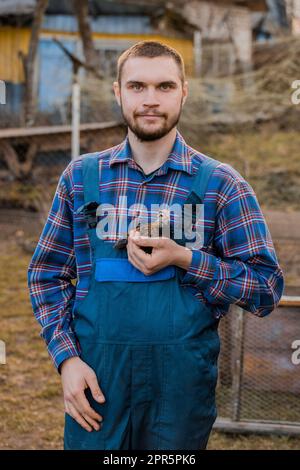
(151, 98)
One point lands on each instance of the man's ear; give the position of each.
(116, 88)
(184, 92)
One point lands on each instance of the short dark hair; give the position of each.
(150, 49)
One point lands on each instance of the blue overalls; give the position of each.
(152, 344)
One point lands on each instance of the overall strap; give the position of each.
(198, 190)
(200, 181)
(90, 181)
(90, 172)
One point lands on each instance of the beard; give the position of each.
(148, 135)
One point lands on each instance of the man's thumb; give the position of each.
(92, 382)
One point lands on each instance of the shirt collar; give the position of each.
(179, 158)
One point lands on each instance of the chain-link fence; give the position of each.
(25, 150)
(259, 383)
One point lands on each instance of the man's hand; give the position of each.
(165, 252)
(76, 376)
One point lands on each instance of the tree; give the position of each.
(29, 62)
(81, 10)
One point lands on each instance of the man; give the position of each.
(136, 340)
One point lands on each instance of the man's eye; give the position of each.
(165, 86)
(136, 86)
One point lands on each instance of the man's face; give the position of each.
(151, 96)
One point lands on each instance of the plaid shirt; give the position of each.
(238, 265)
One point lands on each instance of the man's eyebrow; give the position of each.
(165, 82)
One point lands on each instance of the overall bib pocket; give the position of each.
(135, 307)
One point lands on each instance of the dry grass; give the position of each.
(31, 409)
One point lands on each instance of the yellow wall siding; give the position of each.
(13, 40)
(182, 45)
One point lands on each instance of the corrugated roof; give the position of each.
(17, 7)
(26, 7)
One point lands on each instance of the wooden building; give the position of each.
(116, 25)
